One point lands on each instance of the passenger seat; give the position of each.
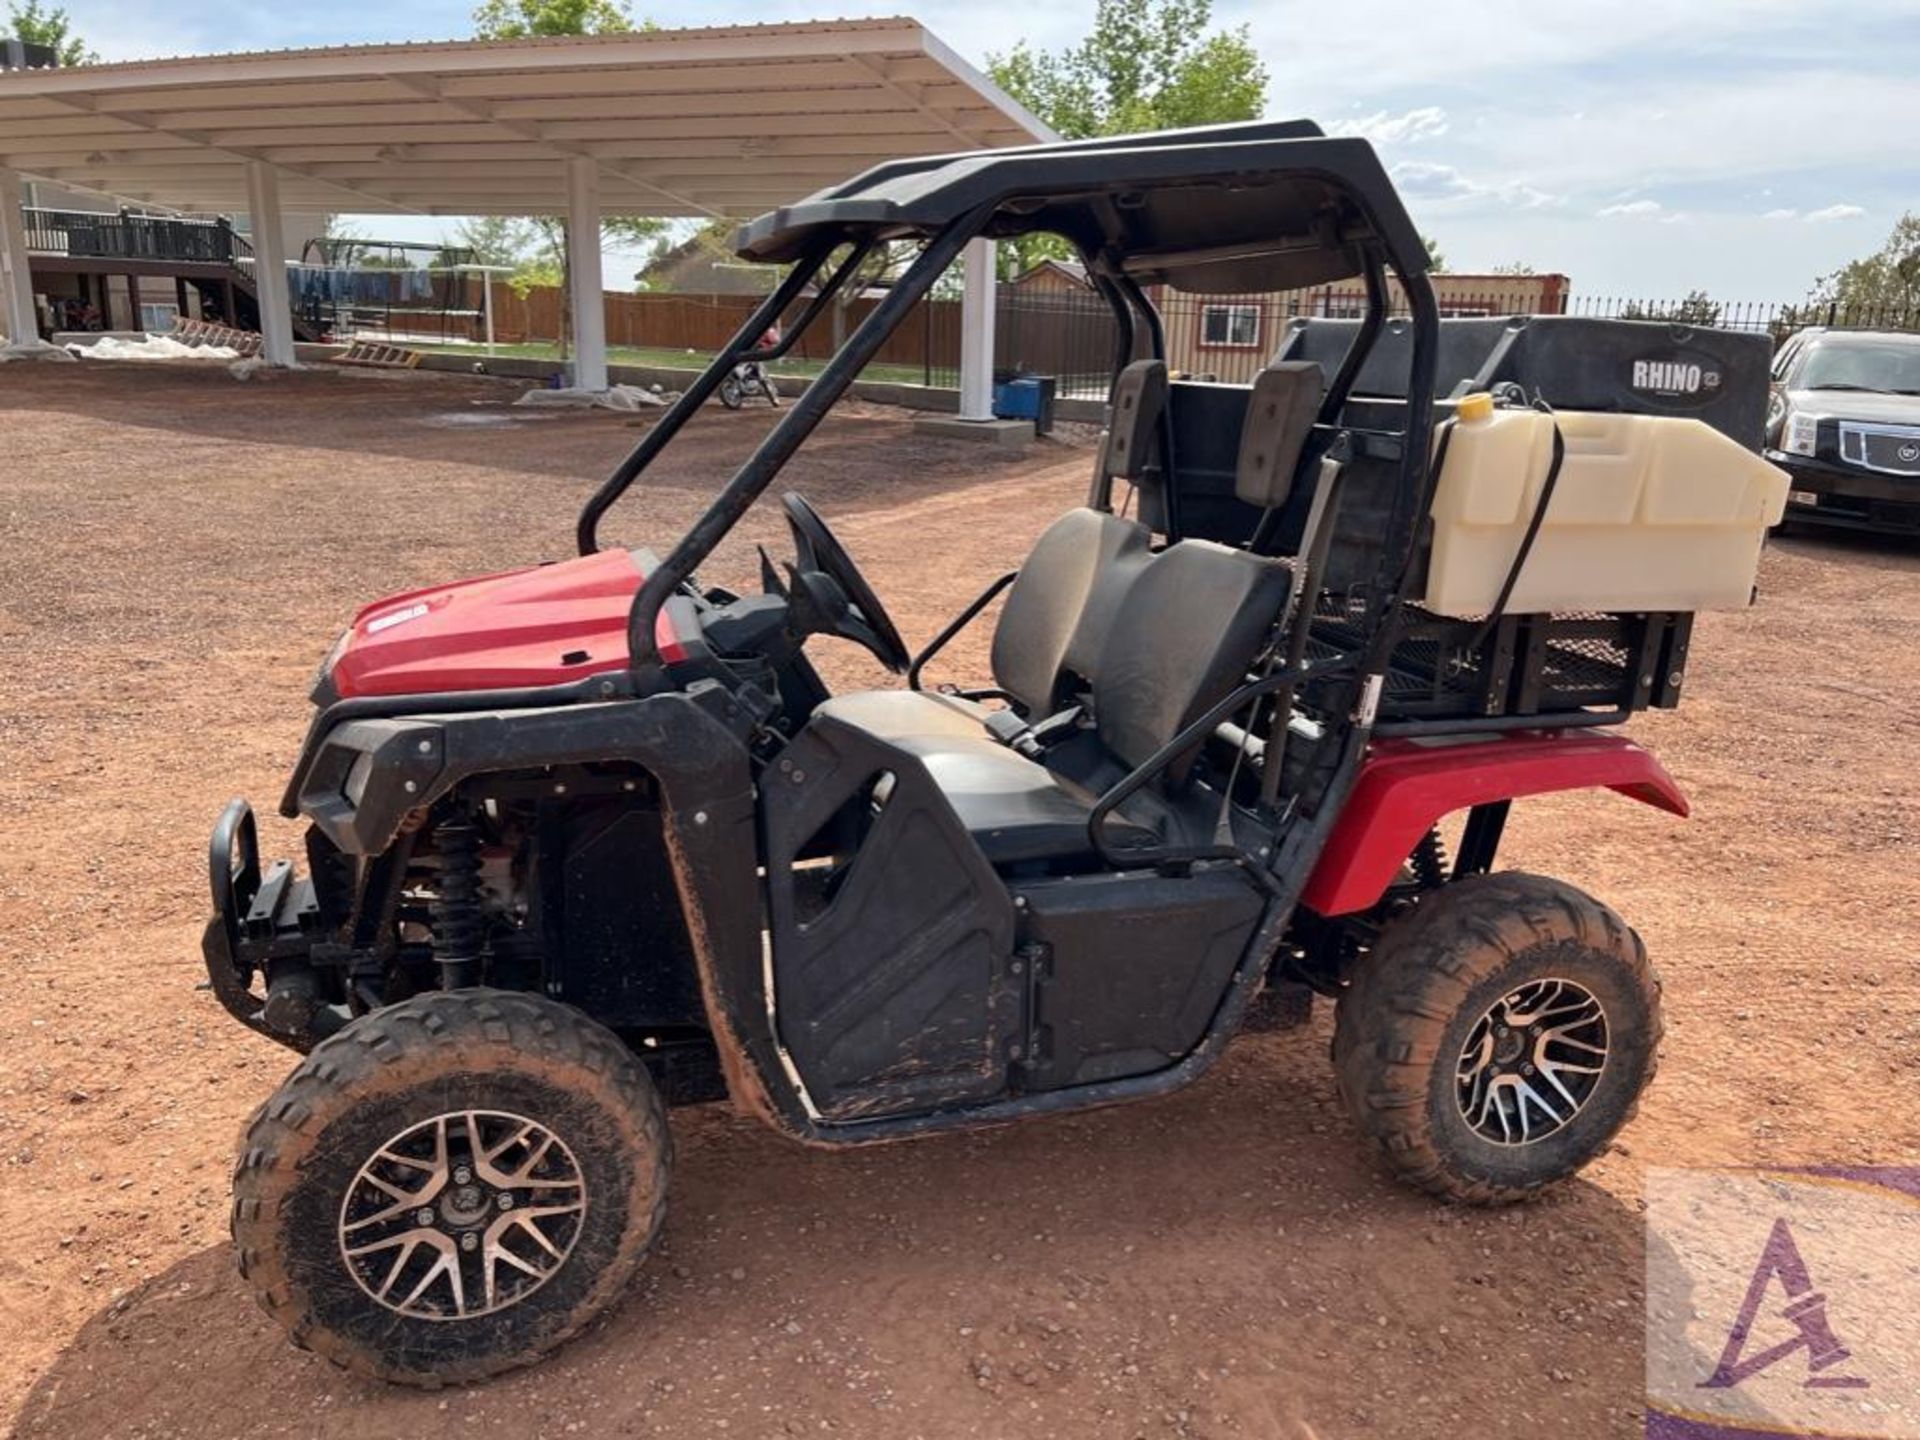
(1055, 616)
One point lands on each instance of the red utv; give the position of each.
(592, 839)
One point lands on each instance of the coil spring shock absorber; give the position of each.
(1429, 861)
(457, 923)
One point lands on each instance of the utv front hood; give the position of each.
(545, 626)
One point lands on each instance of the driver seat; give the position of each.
(1055, 618)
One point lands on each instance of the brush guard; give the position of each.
(264, 922)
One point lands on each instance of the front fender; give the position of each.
(1406, 786)
(363, 776)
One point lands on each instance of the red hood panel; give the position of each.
(543, 626)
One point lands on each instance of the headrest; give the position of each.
(1139, 397)
(1280, 413)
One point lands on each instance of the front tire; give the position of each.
(452, 1186)
(1498, 1037)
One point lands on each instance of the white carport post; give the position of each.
(976, 331)
(589, 310)
(16, 276)
(269, 263)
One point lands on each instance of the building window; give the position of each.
(1237, 326)
(1342, 305)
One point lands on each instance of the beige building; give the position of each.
(1230, 337)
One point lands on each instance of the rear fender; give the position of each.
(1407, 786)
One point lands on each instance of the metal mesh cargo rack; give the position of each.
(1592, 666)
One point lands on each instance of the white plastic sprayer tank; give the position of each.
(1649, 513)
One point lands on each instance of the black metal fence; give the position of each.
(1755, 317)
(1230, 338)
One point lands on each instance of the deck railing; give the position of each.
(90, 235)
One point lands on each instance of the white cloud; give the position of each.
(1434, 182)
(1835, 212)
(1631, 210)
(1781, 215)
(1381, 128)
(1424, 180)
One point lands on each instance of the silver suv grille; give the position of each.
(1891, 449)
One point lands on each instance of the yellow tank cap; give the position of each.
(1477, 406)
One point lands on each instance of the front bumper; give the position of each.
(1823, 493)
(264, 923)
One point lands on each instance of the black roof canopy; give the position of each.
(1221, 209)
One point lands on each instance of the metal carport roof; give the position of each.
(717, 121)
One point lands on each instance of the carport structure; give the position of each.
(727, 121)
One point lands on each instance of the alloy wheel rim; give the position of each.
(462, 1215)
(1532, 1061)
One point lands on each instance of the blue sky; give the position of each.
(1739, 146)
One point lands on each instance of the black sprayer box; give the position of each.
(1633, 367)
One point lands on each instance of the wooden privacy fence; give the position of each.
(1070, 335)
(928, 339)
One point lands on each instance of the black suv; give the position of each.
(1844, 422)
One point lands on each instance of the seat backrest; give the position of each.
(1139, 400)
(1280, 414)
(1057, 614)
(1187, 630)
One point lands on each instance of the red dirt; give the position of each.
(1227, 1262)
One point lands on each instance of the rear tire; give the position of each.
(1439, 1061)
(452, 1186)
(730, 395)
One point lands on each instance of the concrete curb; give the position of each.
(935, 399)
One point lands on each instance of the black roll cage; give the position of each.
(1136, 320)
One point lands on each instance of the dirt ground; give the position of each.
(180, 549)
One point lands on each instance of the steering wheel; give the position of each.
(846, 605)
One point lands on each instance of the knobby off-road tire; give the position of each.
(434, 1082)
(1434, 992)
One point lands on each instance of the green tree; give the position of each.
(519, 19)
(49, 27)
(1436, 257)
(1145, 65)
(1515, 267)
(1887, 280)
(497, 239)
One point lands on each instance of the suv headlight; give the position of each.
(1801, 434)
